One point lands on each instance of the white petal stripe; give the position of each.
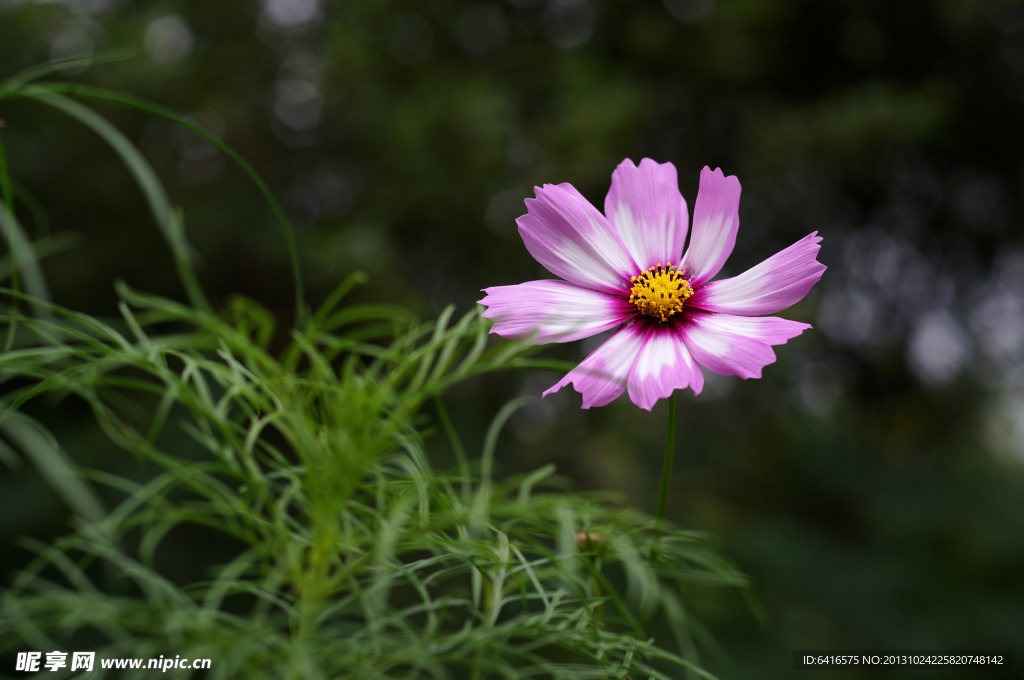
(573, 240)
(553, 311)
(601, 377)
(717, 346)
(648, 212)
(663, 366)
(716, 220)
(771, 330)
(769, 287)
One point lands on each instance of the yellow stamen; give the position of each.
(660, 292)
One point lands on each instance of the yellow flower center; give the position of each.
(660, 292)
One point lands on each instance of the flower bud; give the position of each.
(592, 536)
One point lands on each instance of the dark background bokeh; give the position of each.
(872, 483)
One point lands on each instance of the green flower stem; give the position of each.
(666, 480)
(666, 471)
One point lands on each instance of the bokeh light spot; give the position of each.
(168, 39)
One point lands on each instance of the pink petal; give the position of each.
(778, 282)
(771, 330)
(663, 366)
(716, 220)
(736, 345)
(557, 311)
(601, 377)
(648, 212)
(572, 239)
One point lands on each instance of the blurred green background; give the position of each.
(872, 483)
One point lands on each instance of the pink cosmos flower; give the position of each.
(626, 270)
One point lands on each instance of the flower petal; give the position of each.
(777, 283)
(736, 345)
(663, 366)
(557, 311)
(648, 212)
(771, 330)
(572, 239)
(601, 377)
(716, 220)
